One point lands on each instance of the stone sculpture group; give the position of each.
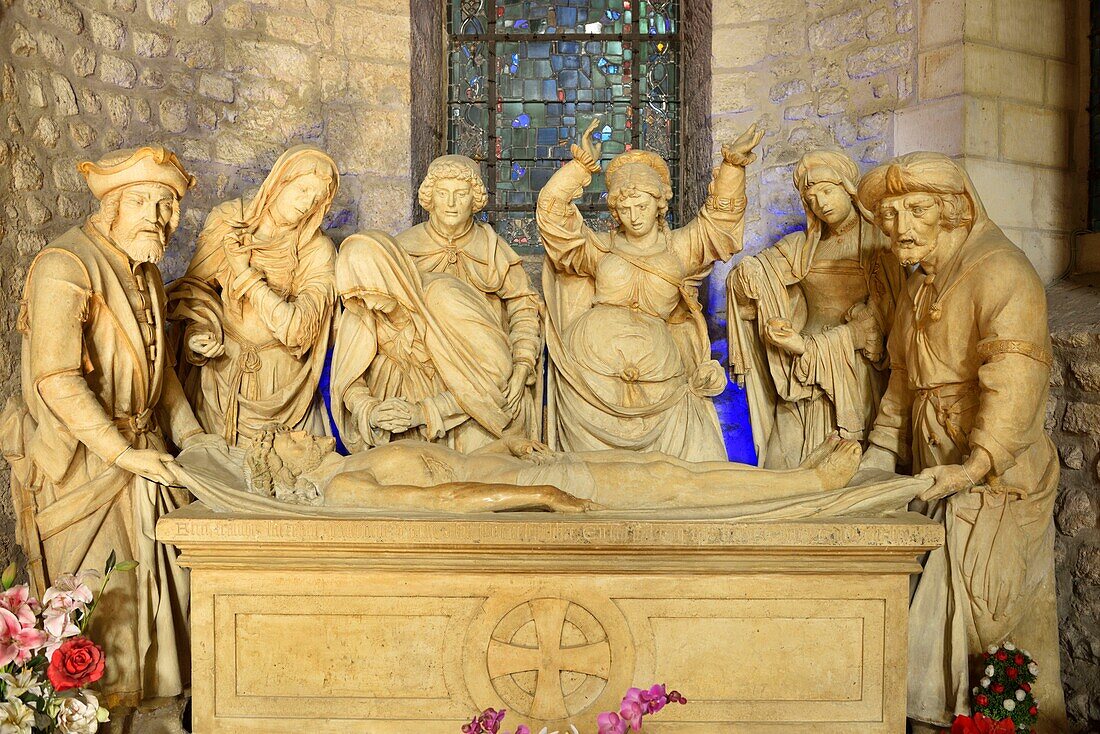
(902, 327)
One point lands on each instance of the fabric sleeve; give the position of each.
(718, 231)
(893, 425)
(569, 242)
(59, 298)
(523, 309)
(175, 412)
(1013, 349)
(296, 321)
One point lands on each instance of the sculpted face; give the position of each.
(301, 451)
(638, 213)
(298, 198)
(914, 224)
(452, 202)
(828, 201)
(143, 223)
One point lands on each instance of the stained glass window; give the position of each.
(526, 77)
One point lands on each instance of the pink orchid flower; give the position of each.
(610, 723)
(16, 641)
(522, 729)
(19, 602)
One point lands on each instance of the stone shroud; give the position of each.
(448, 608)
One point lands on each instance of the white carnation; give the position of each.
(16, 717)
(1008, 704)
(975, 690)
(989, 671)
(1009, 646)
(985, 682)
(991, 649)
(1033, 668)
(1025, 652)
(78, 717)
(1020, 694)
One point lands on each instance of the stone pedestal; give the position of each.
(415, 624)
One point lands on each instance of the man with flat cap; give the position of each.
(970, 367)
(87, 439)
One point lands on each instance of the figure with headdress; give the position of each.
(418, 356)
(256, 304)
(970, 360)
(453, 243)
(87, 438)
(631, 365)
(808, 319)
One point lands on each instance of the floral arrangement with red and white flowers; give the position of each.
(46, 661)
(1003, 697)
(636, 704)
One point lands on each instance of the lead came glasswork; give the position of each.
(525, 74)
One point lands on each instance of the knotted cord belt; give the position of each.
(247, 363)
(949, 401)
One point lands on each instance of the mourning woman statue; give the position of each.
(256, 303)
(631, 366)
(417, 356)
(451, 242)
(808, 319)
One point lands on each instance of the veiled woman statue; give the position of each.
(416, 357)
(808, 319)
(631, 366)
(256, 303)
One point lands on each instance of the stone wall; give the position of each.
(814, 74)
(1073, 419)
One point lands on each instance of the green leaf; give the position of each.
(8, 578)
(127, 566)
(110, 564)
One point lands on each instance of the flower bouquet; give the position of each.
(1003, 696)
(46, 660)
(636, 704)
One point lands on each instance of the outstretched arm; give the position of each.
(570, 244)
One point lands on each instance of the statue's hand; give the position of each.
(749, 278)
(782, 334)
(949, 479)
(866, 333)
(236, 255)
(394, 415)
(740, 151)
(517, 386)
(205, 344)
(587, 145)
(156, 466)
(528, 449)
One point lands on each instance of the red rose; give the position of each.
(1026, 687)
(998, 688)
(1012, 673)
(77, 663)
(1002, 655)
(1019, 659)
(1034, 710)
(982, 699)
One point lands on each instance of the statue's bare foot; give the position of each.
(819, 454)
(838, 468)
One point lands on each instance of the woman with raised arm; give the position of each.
(631, 366)
(256, 303)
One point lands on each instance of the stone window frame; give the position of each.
(429, 106)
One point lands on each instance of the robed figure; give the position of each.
(808, 319)
(257, 302)
(630, 354)
(87, 437)
(970, 365)
(416, 357)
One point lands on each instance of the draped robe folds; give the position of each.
(796, 401)
(276, 330)
(95, 381)
(628, 343)
(484, 261)
(970, 367)
(452, 357)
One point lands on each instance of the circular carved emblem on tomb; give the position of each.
(548, 658)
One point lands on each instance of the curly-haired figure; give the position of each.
(626, 334)
(451, 242)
